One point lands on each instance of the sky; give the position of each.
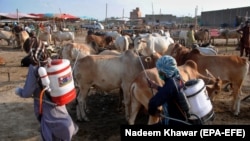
(100, 9)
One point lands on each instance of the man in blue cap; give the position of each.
(175, 105)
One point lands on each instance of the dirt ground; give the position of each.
(18, 122)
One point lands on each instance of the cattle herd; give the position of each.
(109, 60)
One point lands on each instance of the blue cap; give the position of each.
(167, 64)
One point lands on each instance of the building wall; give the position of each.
(159, 19)
(226, 17)
(135, 14)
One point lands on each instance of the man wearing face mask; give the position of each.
(174, 103)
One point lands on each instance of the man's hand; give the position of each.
(152, 84)
(18, 91)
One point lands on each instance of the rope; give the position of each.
(142, 65)
(144, 70)
(76, 59)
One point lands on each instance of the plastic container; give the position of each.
(201, 106)
(61, 81)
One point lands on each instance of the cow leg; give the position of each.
(120, 100)
(126, 96)
(134, 109)
(81, 104)
(236, 100)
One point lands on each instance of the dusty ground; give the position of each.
(18, 122)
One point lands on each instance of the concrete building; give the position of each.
(225, 18)
(162, 19)
(136, 13)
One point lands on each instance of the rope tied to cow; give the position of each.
(144, 71)
(76, 59)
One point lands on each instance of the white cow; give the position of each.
(183, 37)
(45, 37)
(63, 36)
(113, 34)
(122, 43)
(207, 50)
(147, 44)
(8, 36)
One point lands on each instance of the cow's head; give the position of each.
(144, 44)
(216, 88)
(150, 61)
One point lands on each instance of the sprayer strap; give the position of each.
(197, 92)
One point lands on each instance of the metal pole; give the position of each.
(17, 15)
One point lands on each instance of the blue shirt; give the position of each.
(169, 95)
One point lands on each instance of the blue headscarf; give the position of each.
(167, 64)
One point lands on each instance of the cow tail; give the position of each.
(131, 92)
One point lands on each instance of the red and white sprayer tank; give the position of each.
(61, 81)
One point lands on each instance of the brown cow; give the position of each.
(230, 68)
(141, 93)
(23, 35)
(100, 40)
(108, 72)
(202, 36)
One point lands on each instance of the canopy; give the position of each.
(17, 15)
(56, 16)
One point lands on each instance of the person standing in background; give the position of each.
(244, 41)
(190, 37)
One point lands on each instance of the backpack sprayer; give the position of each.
(57, 79)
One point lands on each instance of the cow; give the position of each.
(23, 35)
(45, 37)
(202, 36)
(8, 36)
(113, 34)
(141, 93)
(183, 37)
(228, 34)
(100, 40)
(122, 43)
(109, 72)
(62, 36)
(74, 51)
(208, 50)
(147, 44)
(229, 68)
